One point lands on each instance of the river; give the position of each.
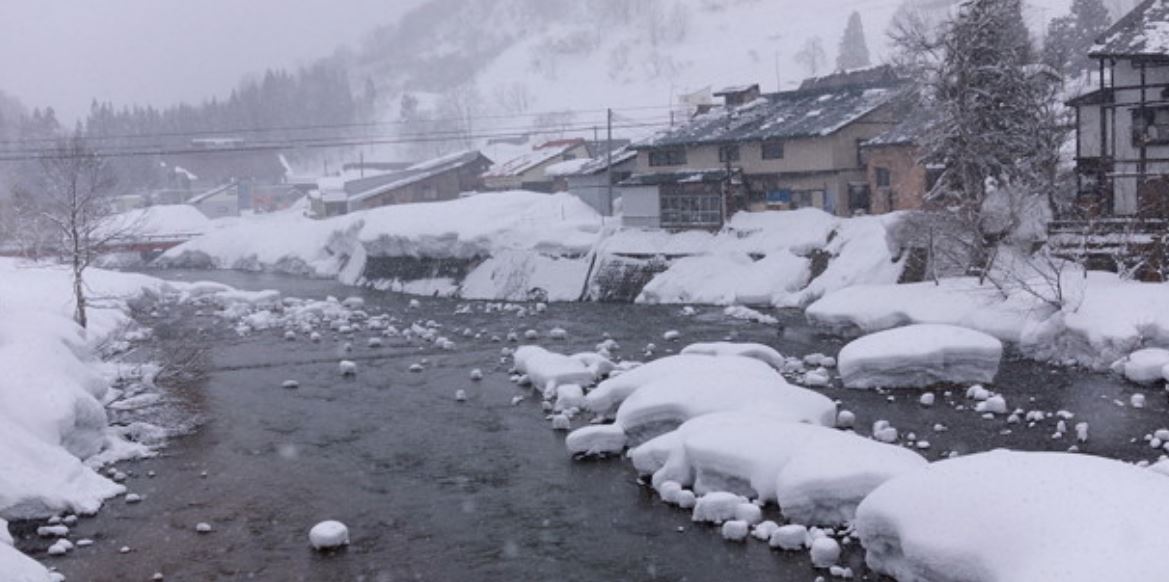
(434, 489)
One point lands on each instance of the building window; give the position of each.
(1150, 126)
(773, 150)
(728, 153)
(667, 157)
(691, 205)
(884, 177)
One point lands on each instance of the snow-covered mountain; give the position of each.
(554, 55)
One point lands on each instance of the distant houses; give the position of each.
(529, 171)
(1122, 127)
(759, 151)
(443, 178)
(596, 180)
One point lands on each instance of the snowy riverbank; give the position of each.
(54, 393)
(519, 245)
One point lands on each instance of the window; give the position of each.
(691, 205)
(667, 157)
(884, 177)
(773, 150)
(728, 153)
(1150, 126)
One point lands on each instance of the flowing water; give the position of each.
(434, 489)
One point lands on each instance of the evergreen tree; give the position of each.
(854, 51)
(1070, 37)
(996, 129)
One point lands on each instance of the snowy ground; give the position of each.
(57, 395)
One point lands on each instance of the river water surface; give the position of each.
(434, 489)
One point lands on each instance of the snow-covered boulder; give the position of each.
(1147, 366)
(917, 356)
(664, 404)
(608, 395)
(817, 475)
(1019, 517)
(765, 354)
(328, 535)
(543, 367)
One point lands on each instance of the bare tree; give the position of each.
(812, 56)
(73, 197)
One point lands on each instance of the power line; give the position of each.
(475, 120)
(315, 143)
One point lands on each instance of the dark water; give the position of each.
(433, 489)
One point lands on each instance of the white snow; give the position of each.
(815, 474)
(919, 356)
(735, 530)
(1146, 366)
(825, 552)
(1012, 516)
(328, 535)
(765, 354)
(792, 537)
(546, 368)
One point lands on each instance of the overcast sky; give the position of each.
(64, 53)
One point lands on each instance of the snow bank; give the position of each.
(158, 221)
(917, 356)
(18, 567)
(1011, 516)
(729, 279)
(818, 475)
(545, 368)
(861, 255)
(1103, 318)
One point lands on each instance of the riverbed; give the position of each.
(435, 489)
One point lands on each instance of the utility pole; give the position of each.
(361, 161)
(609, 158)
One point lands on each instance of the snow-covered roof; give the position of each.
(1142, 32)
(533, 159)
(678, 177)
(804, 113)
(365, 188)
(212, 192)
(589, 167)
(907, 132)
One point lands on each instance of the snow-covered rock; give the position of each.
(920, 356)
(544, 367)
(1147, 366)
(792, 537)
(765, 354)
(735, 530)
(825, 552)
(816, 474)
(328, 535)
(1013, 517)
(604, 439)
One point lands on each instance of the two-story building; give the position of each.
(1122, 127)
(756, 151)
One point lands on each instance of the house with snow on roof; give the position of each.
(596, 180)
(529, 171)
(1122, 127)
(443, 178)
(758, 151)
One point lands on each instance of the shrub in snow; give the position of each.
(347, 368)
(735, 530)
(328, 535)
(789, 537)
(918, 356)
(825, 552)
(1051, 516)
